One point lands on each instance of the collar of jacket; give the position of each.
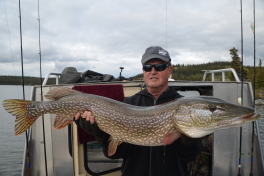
(166, 94)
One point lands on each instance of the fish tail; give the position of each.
(19, 109)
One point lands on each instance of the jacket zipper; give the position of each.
(182, 173)
(150, 151)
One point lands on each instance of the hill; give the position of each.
(180, 72)
(192, 72)
(17, 80)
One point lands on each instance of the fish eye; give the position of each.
(212, 108)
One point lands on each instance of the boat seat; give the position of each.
(113, 91)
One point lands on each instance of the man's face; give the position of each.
(157, 79)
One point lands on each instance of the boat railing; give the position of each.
(257, 134)
(57, 75)
(223, 74)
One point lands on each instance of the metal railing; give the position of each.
(223, 74)
(51, 74)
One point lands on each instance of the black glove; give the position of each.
(92, 129)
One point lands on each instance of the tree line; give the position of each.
(28, 80)
(195, 72)
(247, 73)
(191, 72)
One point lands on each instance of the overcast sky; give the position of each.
(104, 35)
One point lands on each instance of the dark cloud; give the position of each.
(104, 35)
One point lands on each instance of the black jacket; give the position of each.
(169, 160)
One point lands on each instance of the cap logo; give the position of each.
(162, 52)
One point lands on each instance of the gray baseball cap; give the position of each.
(155, 52)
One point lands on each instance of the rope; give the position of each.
(11, 50)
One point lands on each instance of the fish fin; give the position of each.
(112, 146)
(171, 137)
(61, 122)
(59, 92)
(19, 109)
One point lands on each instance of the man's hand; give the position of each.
(86, 121)
(86, 115)
(171, 137)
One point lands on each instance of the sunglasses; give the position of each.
(157, 67)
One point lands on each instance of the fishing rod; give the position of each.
(41, 95)
(166, 24)
(241, 74)
(254, 91)
(253, 29)
(23, 84)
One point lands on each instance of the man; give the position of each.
(168, 160)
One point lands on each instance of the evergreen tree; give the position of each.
(236, 65)
(260, 75)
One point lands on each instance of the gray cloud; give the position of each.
(104, 35)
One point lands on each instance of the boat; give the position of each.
(226, 152)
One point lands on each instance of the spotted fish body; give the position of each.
(194, 117)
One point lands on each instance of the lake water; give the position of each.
(12, 147)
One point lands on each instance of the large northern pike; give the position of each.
(194, 117)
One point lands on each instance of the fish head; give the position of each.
(200, 116)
